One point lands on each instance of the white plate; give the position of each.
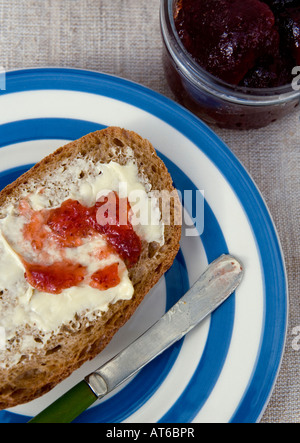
(225, 369)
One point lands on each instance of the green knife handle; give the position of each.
(69, 406)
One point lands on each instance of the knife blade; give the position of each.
(216, 284)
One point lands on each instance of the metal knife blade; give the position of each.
(217, 283)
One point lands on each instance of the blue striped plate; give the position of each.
(224, 370)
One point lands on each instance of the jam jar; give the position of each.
(214, 99)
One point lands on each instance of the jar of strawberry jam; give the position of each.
(234, 78)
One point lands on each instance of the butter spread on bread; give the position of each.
(57, 319)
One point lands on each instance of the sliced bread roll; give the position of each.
(50, 326)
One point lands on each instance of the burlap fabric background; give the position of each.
(122, 37)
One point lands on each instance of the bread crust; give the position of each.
(65, 352)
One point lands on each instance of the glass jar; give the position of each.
(213, 100)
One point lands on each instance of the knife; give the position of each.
(215, 286)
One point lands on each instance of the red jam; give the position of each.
(54, 278)
(72, 222)
(66, 227)
(248, 43)
(106, 278)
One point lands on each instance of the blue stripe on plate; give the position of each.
(44, 128)
(276, 298)
(10, 175)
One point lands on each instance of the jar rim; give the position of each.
(203, 80)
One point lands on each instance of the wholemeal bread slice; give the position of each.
(27, 372)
